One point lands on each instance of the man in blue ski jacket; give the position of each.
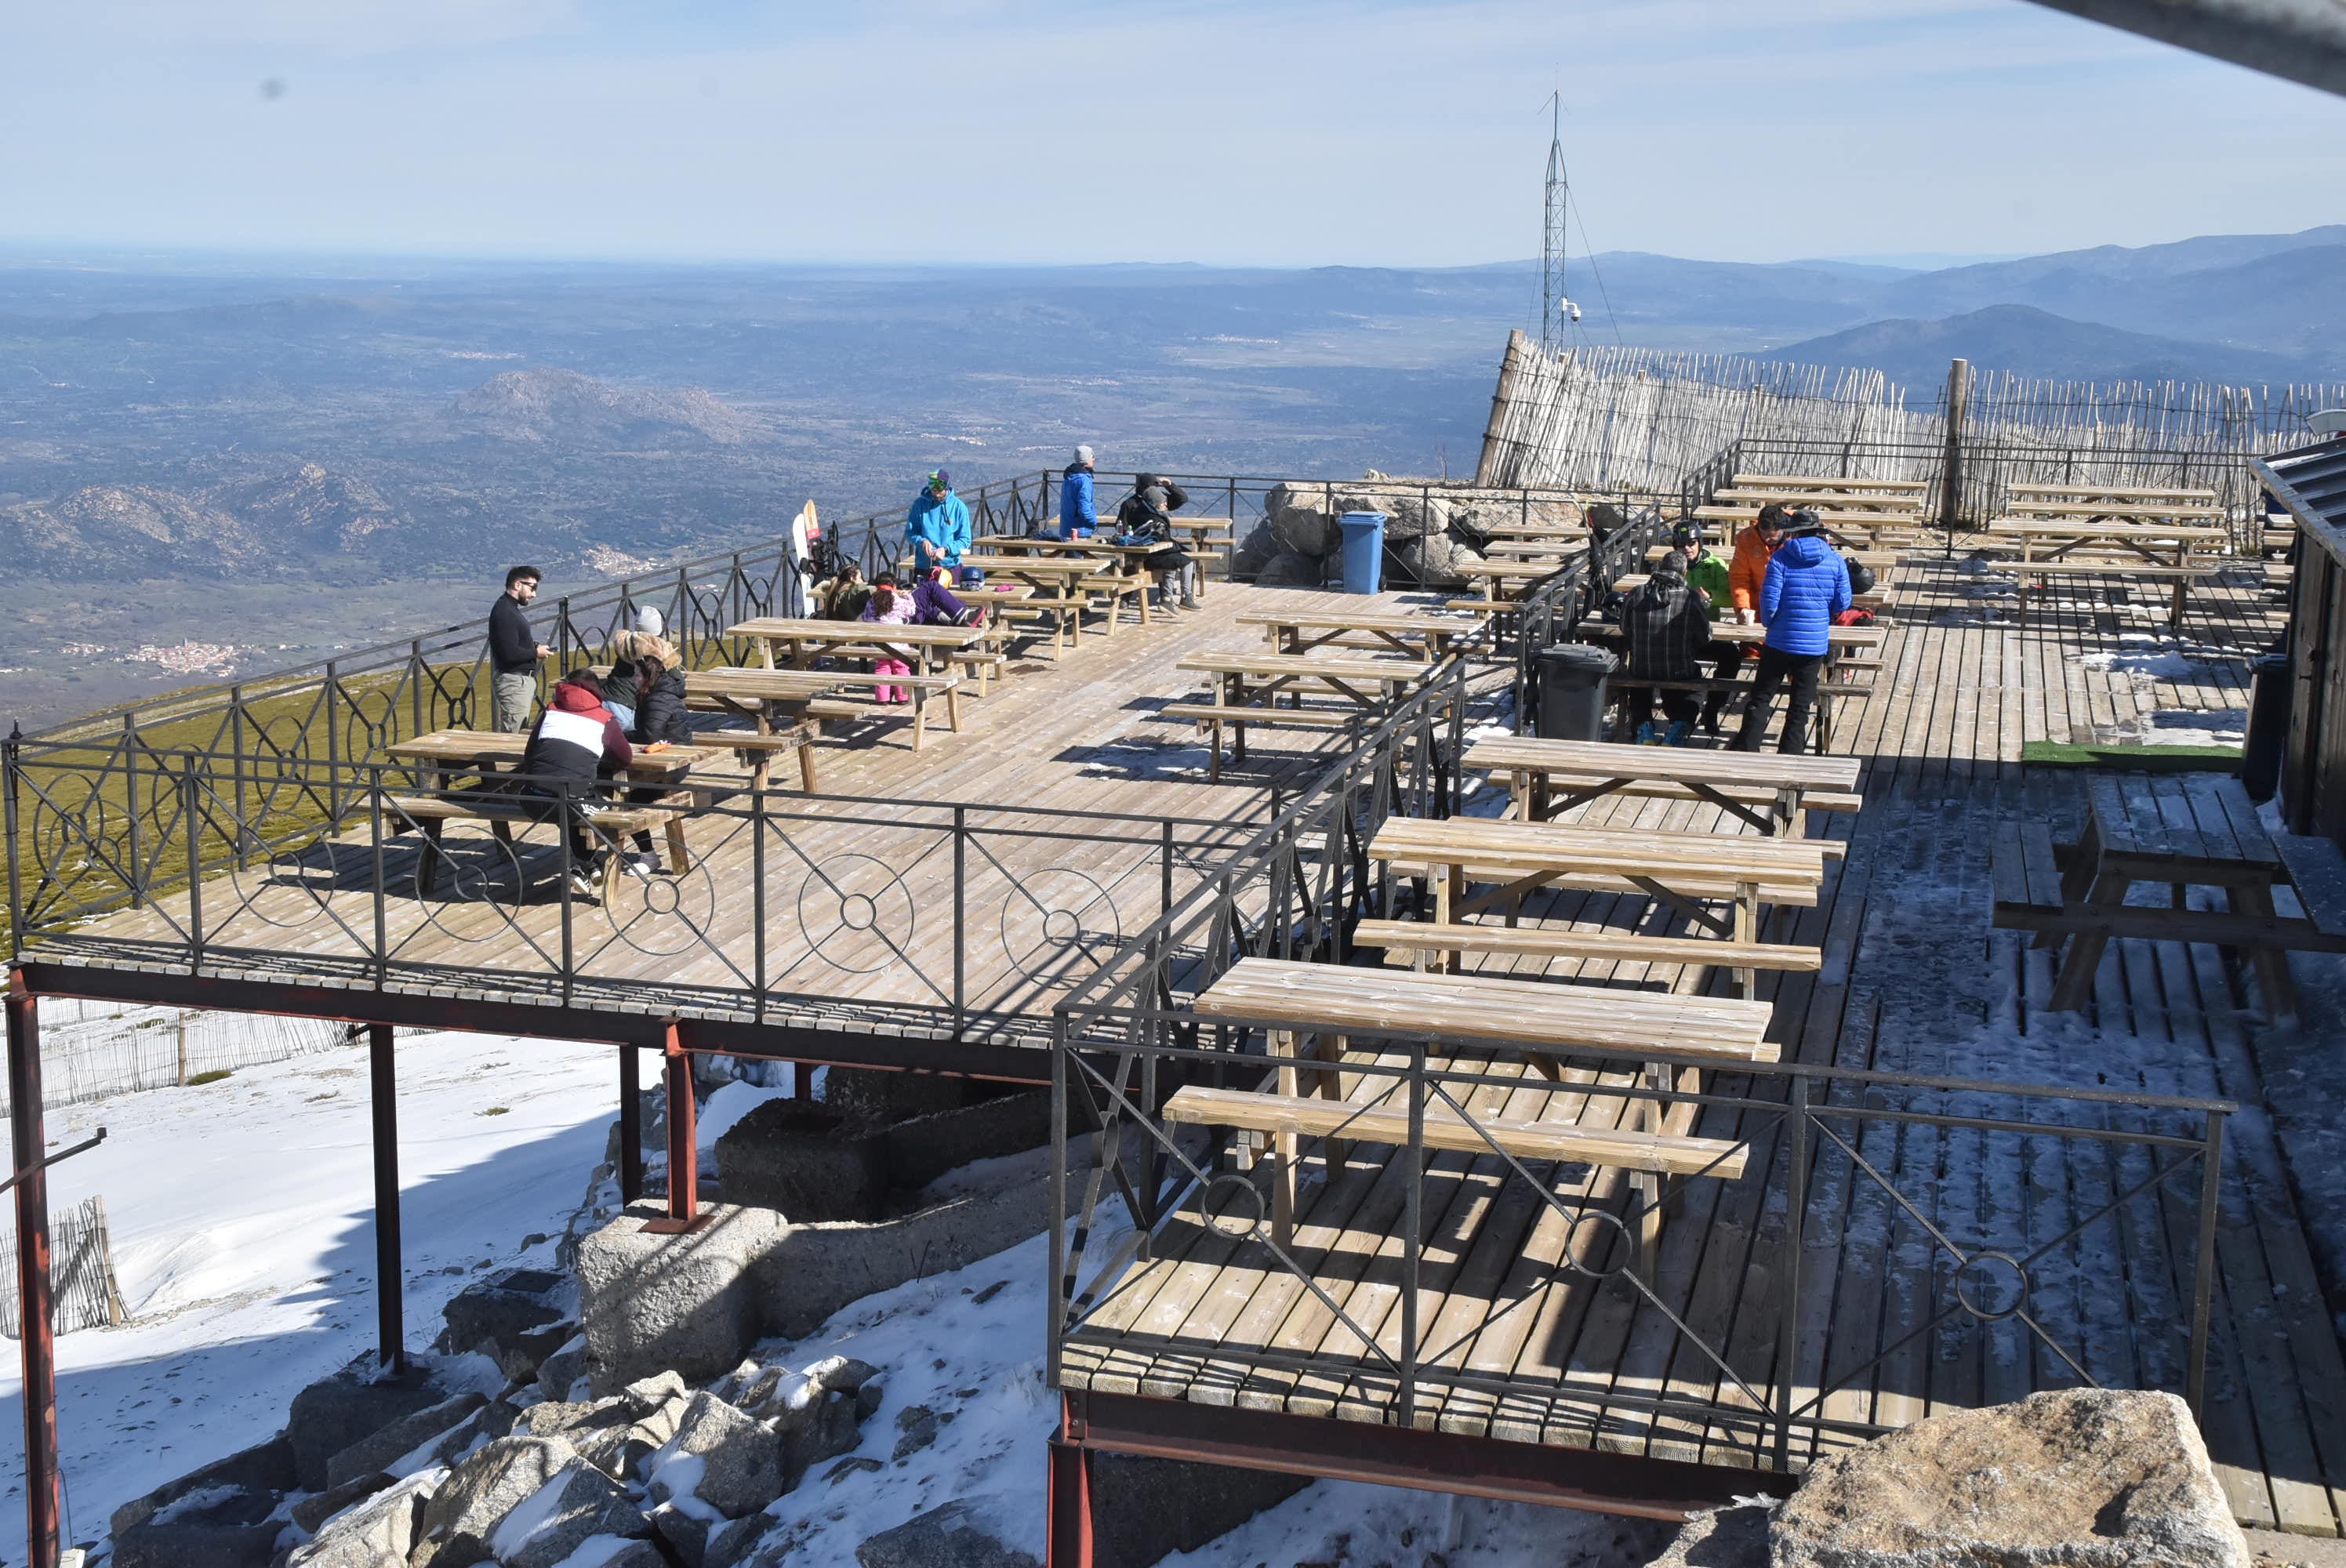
(937, 527)
(1806, 586)
(1078, 516)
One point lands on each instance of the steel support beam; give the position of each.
(28, 1138)
(683, 1142)
(1400, 1456)
(774, 1041)
(391, 1305)
(2297, 40)
(631, 1125)
(1067, 1505)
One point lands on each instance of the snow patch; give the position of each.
(728, 1105)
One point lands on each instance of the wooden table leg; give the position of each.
(1331, 1049)
(2074, 984)
(1747, 929)
(807, 730)
(2271, 963)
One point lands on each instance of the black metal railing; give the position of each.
(1553, 609)
(1867, 1202)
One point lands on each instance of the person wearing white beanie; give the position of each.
(1078, 517)
(648, 621)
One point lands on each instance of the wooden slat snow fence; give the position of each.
(86, 1294)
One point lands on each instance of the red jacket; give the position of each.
(1749, 573)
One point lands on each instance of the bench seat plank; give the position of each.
(1627, 947)
(1621, 1147)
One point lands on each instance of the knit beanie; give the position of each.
(1084, 455)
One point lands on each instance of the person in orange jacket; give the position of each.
(1749, 572)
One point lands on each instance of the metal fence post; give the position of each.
(758, 907)
(1412, 1233)
(960, 941)
(189, 818)
(135, 839)
(334, 749)
(1796, 1203)
(382, 916)
(11, 757)
(2203, 1269)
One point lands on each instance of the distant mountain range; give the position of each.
(2240, 307)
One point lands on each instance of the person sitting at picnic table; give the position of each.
(1668, 627)
(891, 605)
(657, 673)
(620, 686)
(574, 743)
(1146, 518)
(937, 527)
(1753, 549)
(1078, 517)
(934, 604)
(1807, 586)
(1708, 575)
(841, 598)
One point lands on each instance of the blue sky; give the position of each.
(1277, 131)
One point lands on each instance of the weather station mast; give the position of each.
(1557, 312)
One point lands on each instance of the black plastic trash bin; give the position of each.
(2269, 707)
(1572, 692)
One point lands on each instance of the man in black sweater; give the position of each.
(515, 650)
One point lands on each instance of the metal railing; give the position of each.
(1553, 609)
(1896, 1280)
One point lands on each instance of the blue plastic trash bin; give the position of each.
(1365, 551)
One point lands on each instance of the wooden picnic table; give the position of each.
(1534, 530)
(762, 696)
(1547, 1020)
(808, 640)
(1504, 581)
(442, 753)
(1129, 557)
(2211, 838)
(1551, 550)
(1246, 682)
(1768, 790)
(1842, 527)
(1682, 870)
(1847, 651)
(1408, 632)
(2160, 550)
(2187, 494)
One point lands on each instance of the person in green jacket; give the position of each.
(1709, 572)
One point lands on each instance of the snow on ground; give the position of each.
(966, 1349)
(2157, 658)
(241, 1214)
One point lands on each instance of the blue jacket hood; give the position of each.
(1805, 550)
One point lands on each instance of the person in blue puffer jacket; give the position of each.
(937, 527)
(1806, 586)
(1079, 516)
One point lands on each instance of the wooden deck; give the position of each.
(1914, 981)
(880, 911)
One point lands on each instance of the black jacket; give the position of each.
(513, 646)
(660, 712)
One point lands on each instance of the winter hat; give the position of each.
(1804, 522)
(650, 622)
(580, 692)
(941, 480)
(1084, 455)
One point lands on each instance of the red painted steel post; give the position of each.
(391, 1318)
(683, 1143)
(1067, 1501)
(43, 1501)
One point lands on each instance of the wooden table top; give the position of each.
(1046, 565)
(1366, 620)
(1536, 1011)
(1534, 549)
(473, 746)
(2145, 510)
(1831, 519)
(2111, 528)
(1824, 501)
(1527, 570)
(1665, 764)
(776, 629)
(752, 685)
(1027, 544)
(1535, 530)
(2116, 491)
(1824, 482)
(1339, 666)
(1510, 845)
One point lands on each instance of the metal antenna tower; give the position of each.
(1557, 312)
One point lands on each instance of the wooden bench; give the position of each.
(984, 662)
(1295, 1117)
(1626, 947)
(2077, 892)
(1661, 789)
(758, 751)
(1065, 611)
(429, 813)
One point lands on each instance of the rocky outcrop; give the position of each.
(953, 1537)
(2084, 1479)
(2088, 1477)
(515, 1317)
(1433, 528)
